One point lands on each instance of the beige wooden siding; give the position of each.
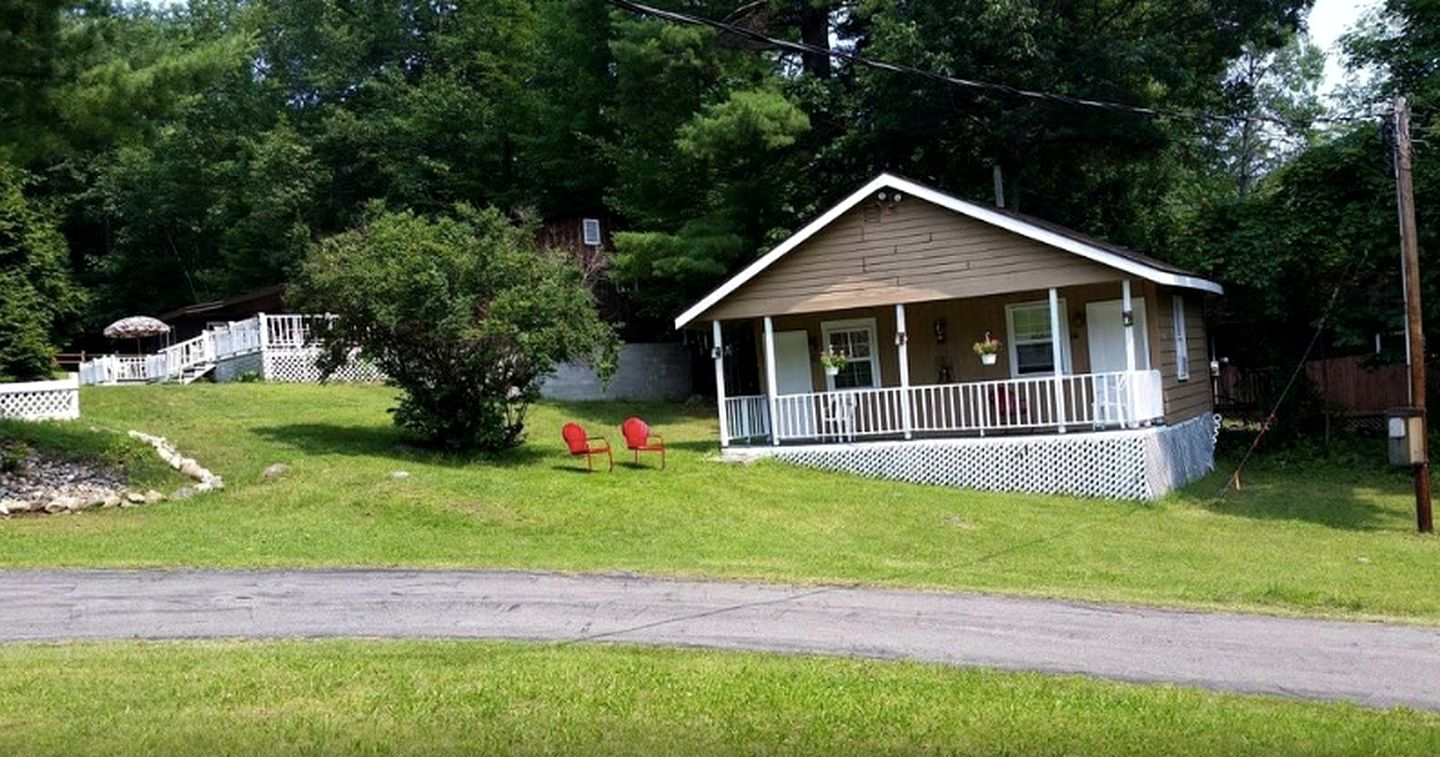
(913, 252)
(1184, 399)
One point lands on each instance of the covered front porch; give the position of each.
(912, 373)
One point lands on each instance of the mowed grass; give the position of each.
(329, 697)
(1314, 537)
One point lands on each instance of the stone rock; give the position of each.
(193, 470)
(400, 474)
(55, 507)
(151, 497)
(15, 506)
(134, 497)
(275, 470)
(111, 501)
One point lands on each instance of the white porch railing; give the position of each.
(237, 337)
(746, 417)
(1049, 403)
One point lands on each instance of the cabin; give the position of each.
(865, 329)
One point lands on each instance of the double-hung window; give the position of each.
(855, 340)
(1182, 339)
(1032, 348)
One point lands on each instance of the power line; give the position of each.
(1005, 89)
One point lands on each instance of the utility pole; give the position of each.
(1410, 248)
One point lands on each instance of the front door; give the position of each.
(792, 363)
(792, 376)
(1105, 332)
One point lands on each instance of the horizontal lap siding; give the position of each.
(913, 252)
(1183, 399)
(966, 322)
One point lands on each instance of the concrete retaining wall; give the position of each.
(659, 371)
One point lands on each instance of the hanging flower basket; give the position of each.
(833, 361)
(988, 349)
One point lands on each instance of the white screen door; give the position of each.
(792, 376)
(1105, 330)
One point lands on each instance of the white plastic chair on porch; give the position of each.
(838, 415)
(1110, 405)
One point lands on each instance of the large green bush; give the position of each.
(461, 312)
(36, 294)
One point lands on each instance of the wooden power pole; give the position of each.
(1410, 249)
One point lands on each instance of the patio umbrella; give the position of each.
(136, 327)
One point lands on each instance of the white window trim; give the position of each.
(1181, 338)
(585, 226)
(854, 324)
(1010, 335)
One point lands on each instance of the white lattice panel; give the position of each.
(41, 400)
(298, 366)
(1179, 454)
(1138, 464)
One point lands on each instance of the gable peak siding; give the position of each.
(912, 252)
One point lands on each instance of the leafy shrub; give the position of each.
(249, 377)
(461, 312)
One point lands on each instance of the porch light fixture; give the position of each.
(1128, 318)
(901, 338)
(715, 352)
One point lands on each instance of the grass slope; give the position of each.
(480, 698)
(1319, 539)
(111, 449)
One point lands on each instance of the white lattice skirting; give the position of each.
(298, 366)
(1141, 464)
(41, 400)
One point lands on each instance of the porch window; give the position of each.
(856, 339)
(1182, 340)
(1032, 349)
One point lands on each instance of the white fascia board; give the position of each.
(972, 210)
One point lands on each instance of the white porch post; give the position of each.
(1057, 351)
(1128, 316)
(264, 345)
(1127, 319)
(719, 349)
(770, 390)
(902, 339)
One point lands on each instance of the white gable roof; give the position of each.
(1037, 232)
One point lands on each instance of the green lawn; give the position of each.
(322, 697)
(1310, 538)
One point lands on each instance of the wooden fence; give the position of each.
(1347, 386)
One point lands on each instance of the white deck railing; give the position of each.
(1049, 403)
(746, 417)
(275, 332)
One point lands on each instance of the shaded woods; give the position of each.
(159, 156)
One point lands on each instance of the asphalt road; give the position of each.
(1369, 663)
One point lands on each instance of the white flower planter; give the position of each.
(831, 370)
(988, 358)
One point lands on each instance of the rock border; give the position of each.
(205, 480)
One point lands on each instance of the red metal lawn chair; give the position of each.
(580, 444)
(638, 439)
